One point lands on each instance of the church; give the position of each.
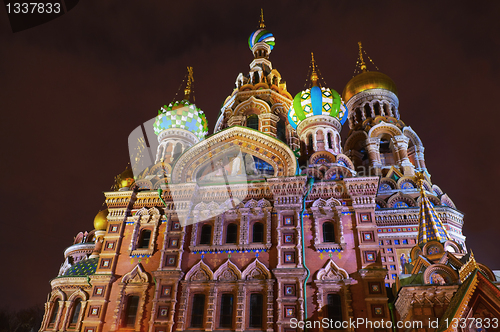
(275, 222)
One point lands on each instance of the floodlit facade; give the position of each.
(274, 219)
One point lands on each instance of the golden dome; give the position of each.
(368, 80)
(100, 220)
(125, 179)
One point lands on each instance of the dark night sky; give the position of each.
(73, 89)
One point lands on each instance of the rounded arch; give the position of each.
(384, 128)
(440, 274)
(387, 184)
(407, 182)
(412, 135)
(79, 293)
(251, 105)
(399, 197)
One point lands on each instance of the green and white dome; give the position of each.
(317, 101)
(182, 115)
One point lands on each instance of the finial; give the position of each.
(314, 74)
(420, 182)
(190, 80)
(362, 62)
(261, 23)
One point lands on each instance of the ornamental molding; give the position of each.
(252, 103)
(385, 128)
(227, 272)
(199, 272)
(136, 276)
(331, 272)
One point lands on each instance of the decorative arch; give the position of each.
(452, 244)
(263, 203)
(380, 203)
(251, 104)
(227, 272)
(440, 274)
(252, 203)
(437, 190)
(412, 135)
(346, 160)
(319, 203)
(262, 146)
(487, 272)
(407, 182)
(256, 271)
(333, 202)
(137, 275)
(322, 157)
(387, 184)
(384, 128)
(432, 248)
(434, 200)
(400, 197)
(199, 272)
(57, 294)
(446, 200)
(331, 272)
(79, 293)
(354, 139)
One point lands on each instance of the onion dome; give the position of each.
(82, 268)
(125, 179)
(101, 221)
(182, 115)
(316, 101)
(367, 80)
(261, 35)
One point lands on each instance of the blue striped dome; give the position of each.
(261, 35)
(317, 101)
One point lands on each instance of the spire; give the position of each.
(190, 80)
(429, 226)
(362, 63)
(314, 74)
(261, 23)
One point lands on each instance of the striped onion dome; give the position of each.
(261, 35)
(317, 101)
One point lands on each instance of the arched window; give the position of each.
(281, 130)
(328, 232)
(131, 311)
(206, 234)
(53, 315)
(144, 238)
(255, 310)
(232, 233)
(309, 142)
(198, 310)
(334, 307)
(226, 311)
(77, 306)
(258, 232)
(329, 136)
(253, 122)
